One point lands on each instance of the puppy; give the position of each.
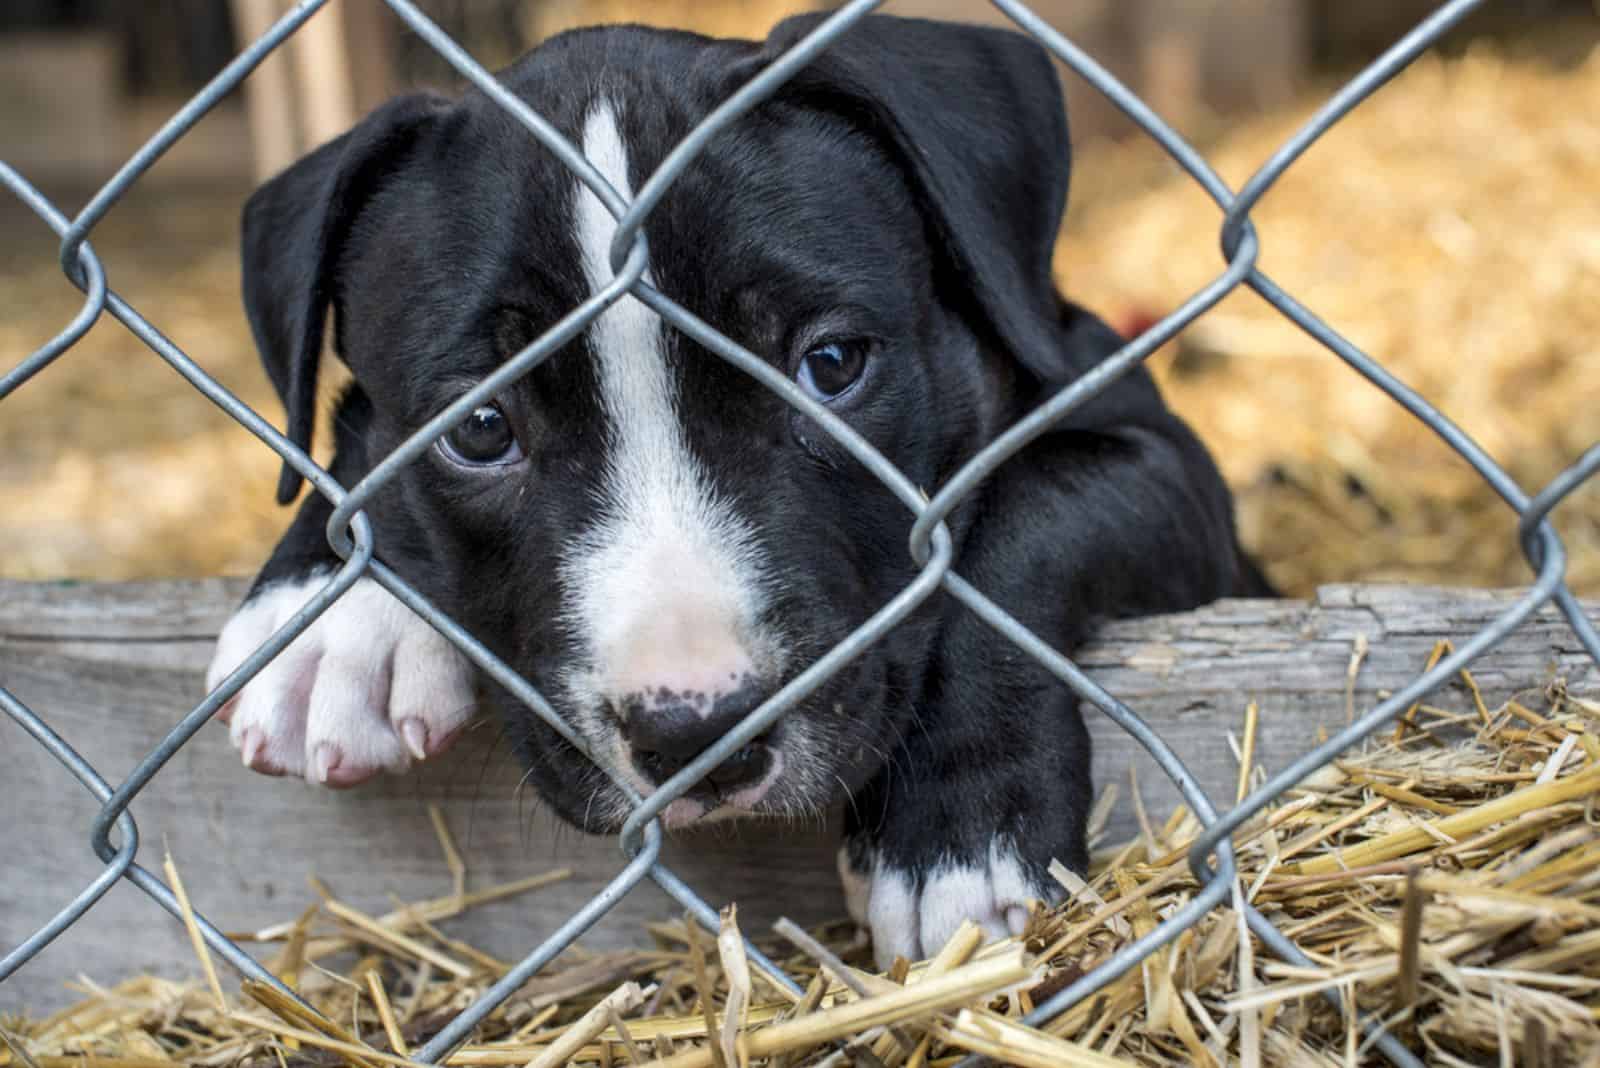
(659, 542)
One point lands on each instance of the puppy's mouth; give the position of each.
(739, 787)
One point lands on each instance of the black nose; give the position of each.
(667, 730)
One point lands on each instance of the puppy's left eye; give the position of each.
(831, 368)
(483, 439)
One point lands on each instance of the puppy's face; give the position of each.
(652, 537)
(649, 534)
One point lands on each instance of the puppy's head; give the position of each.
(655, 539)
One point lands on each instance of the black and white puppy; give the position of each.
(655, 539)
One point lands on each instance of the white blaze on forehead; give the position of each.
(666, 585)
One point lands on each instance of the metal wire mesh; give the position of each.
(114, 834)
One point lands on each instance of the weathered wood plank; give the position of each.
(113, 666)
(120, 612)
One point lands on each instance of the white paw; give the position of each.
(366, 688)
(915, 921)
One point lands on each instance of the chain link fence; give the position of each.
(114, 834)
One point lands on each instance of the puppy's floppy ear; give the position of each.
(294, 228)
(977, 118)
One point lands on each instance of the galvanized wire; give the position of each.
(929, 546)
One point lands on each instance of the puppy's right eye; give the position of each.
(483, 439)
(830, 369)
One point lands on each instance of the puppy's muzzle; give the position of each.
(666, 727)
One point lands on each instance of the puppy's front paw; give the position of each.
(366, 688)
(913, 910)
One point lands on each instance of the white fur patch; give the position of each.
(892, 916)
(667, 585)
(916, 924)
(367, 687)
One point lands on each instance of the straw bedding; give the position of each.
(1449, 227)
(1448, 878)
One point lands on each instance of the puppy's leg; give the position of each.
(964, 825)
(367, 687)
(991, 782)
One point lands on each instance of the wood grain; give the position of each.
(113, 666)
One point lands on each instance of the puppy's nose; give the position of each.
(667, 728)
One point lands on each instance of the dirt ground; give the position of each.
(1450, 227)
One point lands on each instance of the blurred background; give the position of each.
(1450, 226)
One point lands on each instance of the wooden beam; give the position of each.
(322, 77)
(268, 93)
